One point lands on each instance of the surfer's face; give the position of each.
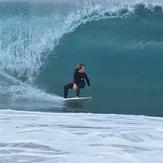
(82, 69)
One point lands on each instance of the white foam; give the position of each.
(71, 138)
(13, 90)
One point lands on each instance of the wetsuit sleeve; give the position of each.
(75, 77)
(87, 79)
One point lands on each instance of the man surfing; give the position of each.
(79, 79)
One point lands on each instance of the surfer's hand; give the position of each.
(75, 86)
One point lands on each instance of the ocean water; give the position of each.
(121, 44)
(119, 41)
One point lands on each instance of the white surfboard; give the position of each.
(78, 99)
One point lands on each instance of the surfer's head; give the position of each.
(80, 67)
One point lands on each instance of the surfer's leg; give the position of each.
(66, 87)
(77, 92)
(80, 86)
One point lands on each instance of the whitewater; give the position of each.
(84, 138)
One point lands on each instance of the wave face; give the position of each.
(119, 41)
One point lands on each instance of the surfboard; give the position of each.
(78, 99)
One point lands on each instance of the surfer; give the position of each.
(78, 83)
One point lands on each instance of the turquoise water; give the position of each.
(120, 42)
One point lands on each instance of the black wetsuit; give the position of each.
(79, 80)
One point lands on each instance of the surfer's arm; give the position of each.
(75, 86)
(87, 79)
(75, 78)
